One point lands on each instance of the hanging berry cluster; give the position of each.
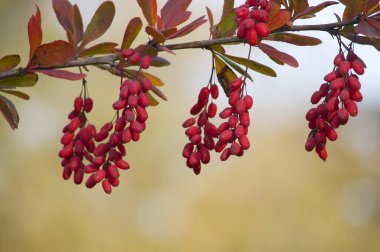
(252, 18)
(230, 138)
(104, 149)
(339, 96)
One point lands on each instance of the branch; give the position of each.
(111, 59)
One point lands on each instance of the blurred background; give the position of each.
(277, 197)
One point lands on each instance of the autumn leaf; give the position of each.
(131, 32)
(34, 32)
(9, 62)
(9, 112)
(149, 9)
(54, 54)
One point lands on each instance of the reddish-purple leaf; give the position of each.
(35, 32)
(9, 62)
(131, 32)
(278, 21)
(168, 32)
(103, 48)
(99, 23)
(210, 20)
(314, 9)
(62, 74)
(298, 6)
(147, 50)
(9, 112)
(156, 34)
(294, 39)
(368, 27)
(63, 11)
(188, 28)
(159, 93)
(165, 49)
(149, 9)
(54, 54)
(278, 55)
(174, 13)
(77, 25)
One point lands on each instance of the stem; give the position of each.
(204, 44)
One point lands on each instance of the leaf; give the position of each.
(225, 74)
(353, 8)
(26, 80)
(77, 25)
(9, 112)
(149, 9)
(19, 94)
(99, 23)
(278, 55)
(253, 65)
(314, 9)
(165, 49)
(294, 39)
(159, 93)
(278, 21)
(62, 74)
(169, 31)
(210, 20)
(371, 30)
(103, 48)
(9, 62)
(299, 5)
(54, 54)
(227, 25)
(34, 32)
(188, 28)
(174, 13)
(159, 62)
(147, 50)
(233, 65)
(63, 11)
(275, 8)
(156, 34)
(154, 79)
(131, 32)
(153, 101)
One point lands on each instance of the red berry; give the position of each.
(145, 62)
(127, 53)
(251, 37)
(358, 67)
(262, 29)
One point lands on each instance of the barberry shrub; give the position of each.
(98, 155)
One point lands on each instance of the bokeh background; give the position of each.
(276, 198)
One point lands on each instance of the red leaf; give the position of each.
(9, 112)
(278, 55)
(294, 39)
(282, 17)
(131, 32)
(314, 9)
(368, 27)
(63, 11)
(210, 20)
(62, 74)
(77, 24)
(35, 32)
(149, 9)
(174, 13)
(188, 28)
(156, 34)
(99, 23)
(53, 54)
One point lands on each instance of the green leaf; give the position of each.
(225, 74)
(295, 39)
(233, 65)
(103, 48)
(99, 23)
(227, 26)
(131, 32)
(9, 62)
(253, 65)
(54, 54)
(9, 112)
(159, 62)
(149, 9)
(159, 93)
(153, 101)
(18, 94)
(26, 80)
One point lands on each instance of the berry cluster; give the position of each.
(233, 131)
(197, 151)
(251, 19)
(104, 149)
(339, 96)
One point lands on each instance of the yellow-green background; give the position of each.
(276, 198)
